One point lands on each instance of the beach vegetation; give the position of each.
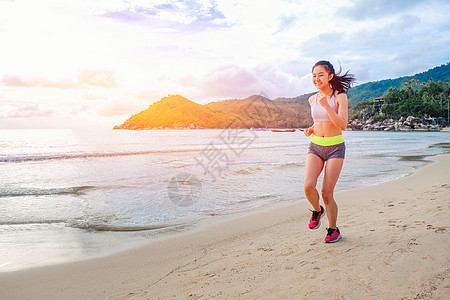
(370, 90)
(423, 100)
(430, 99)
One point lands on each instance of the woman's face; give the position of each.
(320, 77)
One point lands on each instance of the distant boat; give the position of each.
(282, 130)
(259, 129)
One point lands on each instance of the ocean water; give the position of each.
(67, 195)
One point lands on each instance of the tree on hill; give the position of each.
(430, 100)
(371, 90)
(414, 98)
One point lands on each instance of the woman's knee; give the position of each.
(309, 188)
(327, 196)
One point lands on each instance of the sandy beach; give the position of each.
(395, 245)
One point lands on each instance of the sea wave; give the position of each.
(252, 170)
(289, 165)
(412, 157)
(41, 157)
(443, 145)
(17, 192)
(59, 156)
(31, 222)
(93, 226)
(246, 171)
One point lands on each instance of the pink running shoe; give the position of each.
(333, 235)
(314, 222)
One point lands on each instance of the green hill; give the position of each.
(371, 90)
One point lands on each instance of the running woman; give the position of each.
(329, 110)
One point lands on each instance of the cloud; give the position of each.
(16, 81)
(228, 80)
(99, 78)
(13, 80)
(373, 52)
(368, 9)
(186, 16)
(126, 16)
(148, 95)
(232, 81)
(94, 78)
(120, 108)
(287, 21)
(80, 109)
(23, 110)
(93, 97)
(137, 14)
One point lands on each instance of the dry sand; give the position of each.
(395, 245)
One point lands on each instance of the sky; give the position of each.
(84, 63)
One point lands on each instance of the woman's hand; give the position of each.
(323, 100)
(308, 131)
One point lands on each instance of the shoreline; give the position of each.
(271, 253)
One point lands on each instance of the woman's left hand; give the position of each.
(309, 131)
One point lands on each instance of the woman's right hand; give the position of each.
(309, 131)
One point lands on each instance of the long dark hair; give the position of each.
(338, 83)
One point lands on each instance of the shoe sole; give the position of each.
(338, 238)
(320, 220)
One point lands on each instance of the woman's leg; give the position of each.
(333, 169)
(313, 168)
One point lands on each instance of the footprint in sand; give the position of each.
(412, 242)
(265, 249)
(436, 229)
(391, 222)
(440, 229)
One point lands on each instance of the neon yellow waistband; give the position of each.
(327, 141)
